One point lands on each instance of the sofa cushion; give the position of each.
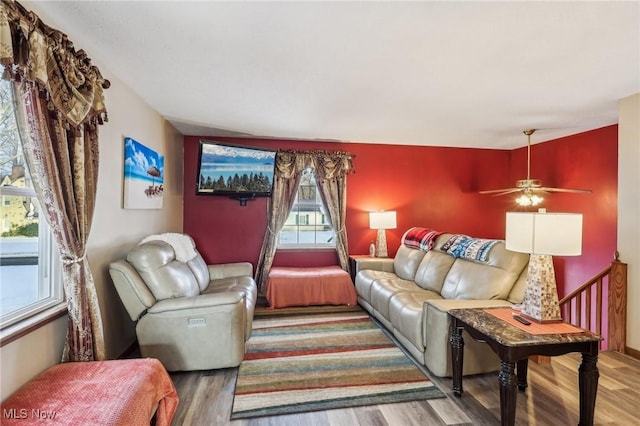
(433, 270)
(517, 292)
(383, 289)
(366, 278)
(496, 276)
(407, 315)
(200, 271)
(406, 262)
(166, 277)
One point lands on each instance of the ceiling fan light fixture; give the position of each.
(526, 200)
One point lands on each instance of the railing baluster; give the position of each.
(599, 307)
(587, 309)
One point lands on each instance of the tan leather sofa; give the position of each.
(190, 316)
(412, 293)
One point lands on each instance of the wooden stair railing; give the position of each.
(573, 311)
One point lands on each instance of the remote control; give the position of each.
(522, 320)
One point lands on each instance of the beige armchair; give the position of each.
(190, 315)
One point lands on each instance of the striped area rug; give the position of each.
(304, 363)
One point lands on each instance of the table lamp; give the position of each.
(543, 235)
(381, 221)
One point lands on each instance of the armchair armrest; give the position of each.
(227, 270)
(201, 301)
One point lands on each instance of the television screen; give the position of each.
(234, 171)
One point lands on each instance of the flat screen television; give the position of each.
(234, 171)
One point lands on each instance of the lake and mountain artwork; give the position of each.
(143, 176)
(230, 169)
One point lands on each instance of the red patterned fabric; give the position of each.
(420, 238)
(122, 392)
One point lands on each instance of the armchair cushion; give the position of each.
(165, 276)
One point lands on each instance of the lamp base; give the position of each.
(381, 244)
(542, 321)
(540, 302)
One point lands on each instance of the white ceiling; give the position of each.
(467, 74)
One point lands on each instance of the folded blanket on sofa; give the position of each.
(469, 248)
(420, 238)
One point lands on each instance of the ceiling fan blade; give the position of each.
(500, 191)
(575, 191)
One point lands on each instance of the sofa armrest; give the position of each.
(226, 270)
(478, 357)
(195, 302)
(384, 264)
(444, 305)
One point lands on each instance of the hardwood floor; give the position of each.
(551, 399)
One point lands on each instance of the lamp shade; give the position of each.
(555, 234)
(382, 220)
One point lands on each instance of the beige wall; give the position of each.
(629, 208)
(114, 231)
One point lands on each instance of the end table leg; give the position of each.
(588, 384)
(522, 367)
(457, 352)
(508, 393)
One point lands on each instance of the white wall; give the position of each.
(629, 208)
(114, 230)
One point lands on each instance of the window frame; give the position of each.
(310, 216)
(50, 303)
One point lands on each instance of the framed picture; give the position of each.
(143, 176)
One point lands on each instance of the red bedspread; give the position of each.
(122, 392)
(326, 285)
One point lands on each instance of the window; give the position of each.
(29, 261)
(307, 225)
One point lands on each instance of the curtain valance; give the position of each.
(326, 164)
(34, 52)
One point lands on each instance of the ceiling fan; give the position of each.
(530, 188)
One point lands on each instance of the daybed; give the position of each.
(132, 392)
(190, 315)
(432, 273)
(324, 285)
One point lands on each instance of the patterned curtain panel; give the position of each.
(288, 171)
(59, 105)
(330, 169)
(331, 177)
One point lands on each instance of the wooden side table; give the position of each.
(514, 346)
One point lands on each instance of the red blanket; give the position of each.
(420, 238)
(122, 392)
(324, 285)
